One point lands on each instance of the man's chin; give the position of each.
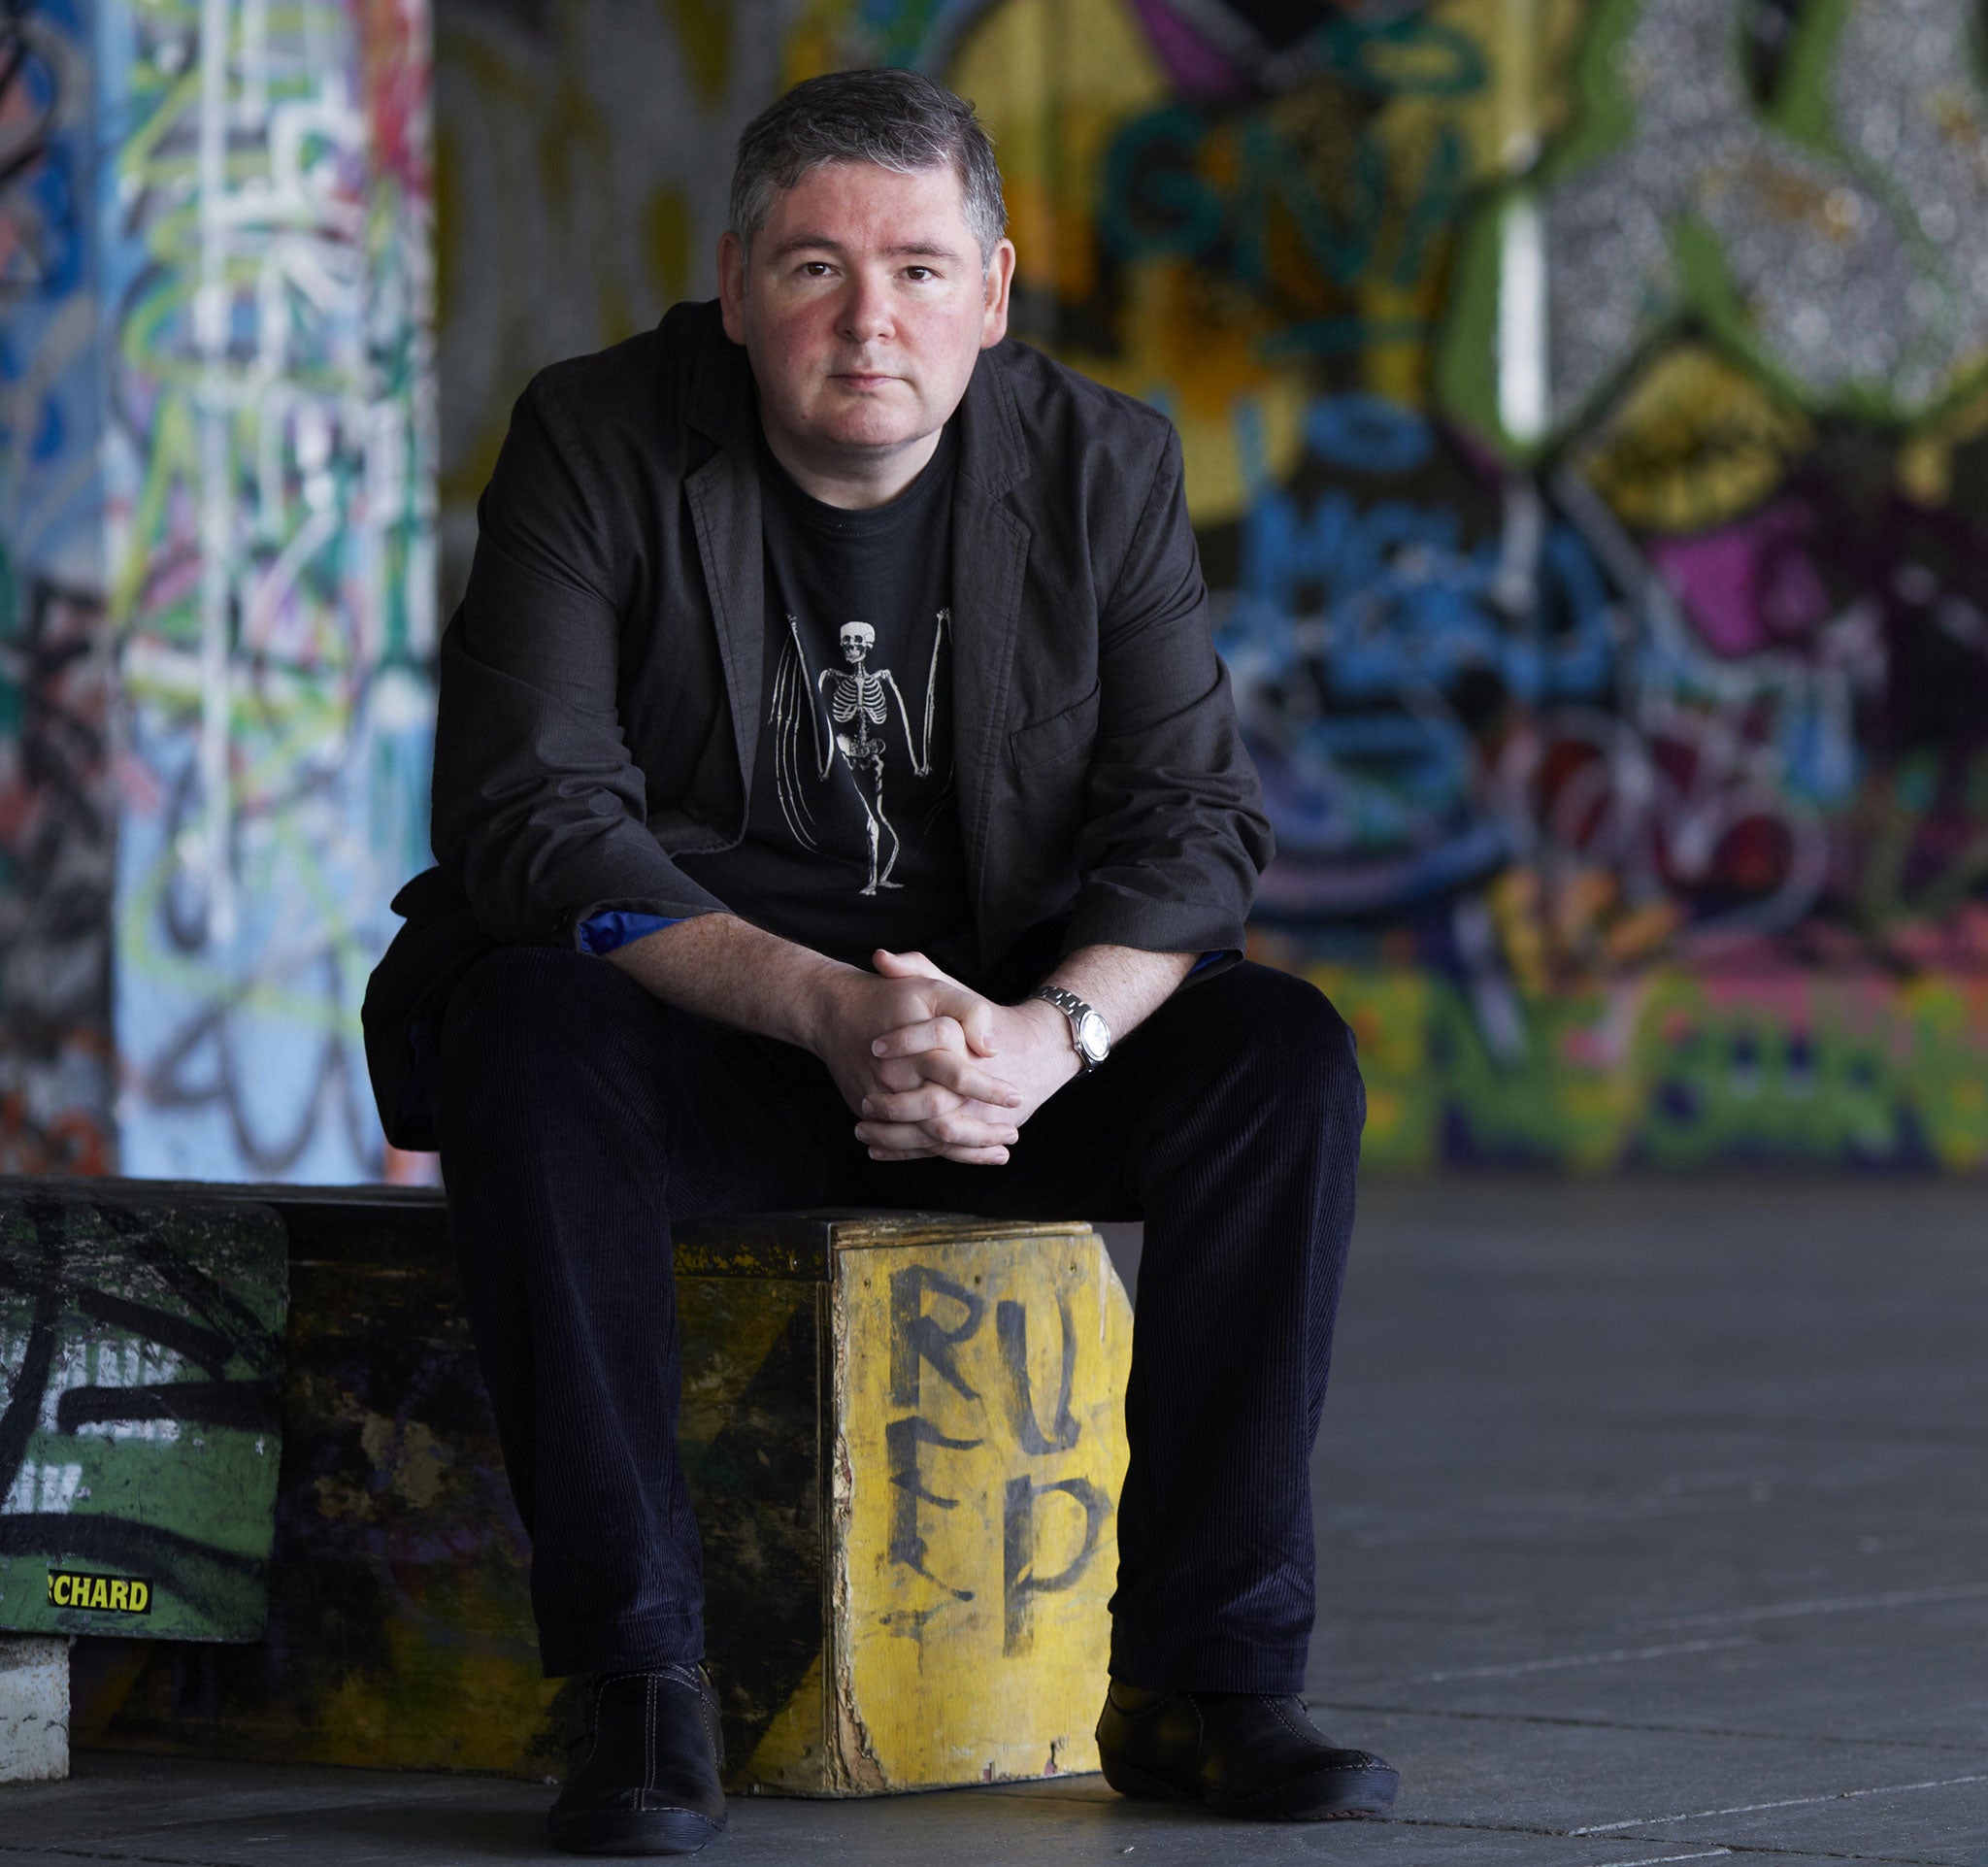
(874, 431)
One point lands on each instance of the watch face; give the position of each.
(1094, 1035)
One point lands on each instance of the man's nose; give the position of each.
(866, 309)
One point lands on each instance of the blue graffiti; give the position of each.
(1368, 781)
(1357, 626)
(1367, 433)
(1388, 595)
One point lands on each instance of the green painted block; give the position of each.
(142, 1347)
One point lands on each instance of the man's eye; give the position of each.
(920, 273)
(816, 268)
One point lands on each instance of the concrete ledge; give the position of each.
(857, 1647)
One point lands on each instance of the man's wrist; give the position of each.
(818, 998)
(1053, 1027)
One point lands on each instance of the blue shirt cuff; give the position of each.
(602, 933)
(1206, 960)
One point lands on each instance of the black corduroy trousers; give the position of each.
(579, 1117)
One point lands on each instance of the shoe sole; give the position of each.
(626, 1831)
(1332, 1795)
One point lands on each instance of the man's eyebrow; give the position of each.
(795, 243)
(822, 243)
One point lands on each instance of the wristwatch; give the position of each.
(1089, 1032)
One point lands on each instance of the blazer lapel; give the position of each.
(724, 510)
(990, 548)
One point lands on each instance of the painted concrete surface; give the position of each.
(1650, 1531)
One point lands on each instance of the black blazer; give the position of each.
(600, 683)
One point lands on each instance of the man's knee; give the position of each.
(1303, 1048)
(531, 1010)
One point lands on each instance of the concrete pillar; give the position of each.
(34, 1709)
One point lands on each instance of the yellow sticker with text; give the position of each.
(100, 1594)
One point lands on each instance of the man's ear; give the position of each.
(732, 286)
(994, 308)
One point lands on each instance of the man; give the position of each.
(833, 772)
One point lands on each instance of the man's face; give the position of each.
(863, 306)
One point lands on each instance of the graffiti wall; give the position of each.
(1585, 428)
(1585, 414)
(56, 806)
(1586, 425)
(217, 574)
(267, 466)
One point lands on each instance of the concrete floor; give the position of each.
(1653, 1527)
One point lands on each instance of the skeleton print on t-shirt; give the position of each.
(852, 840)
(850, 711)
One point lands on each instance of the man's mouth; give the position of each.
(864, 379)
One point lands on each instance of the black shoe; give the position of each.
(642, 1772)
(1239, 1753)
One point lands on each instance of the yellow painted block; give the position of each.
(980, 1448)
(974, 1442)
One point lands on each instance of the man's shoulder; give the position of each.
(1059, 405)
(1078, 454)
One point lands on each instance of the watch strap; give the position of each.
(1075, 1009)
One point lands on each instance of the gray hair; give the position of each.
(898, 119)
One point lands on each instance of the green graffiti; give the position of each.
(1674, 1069)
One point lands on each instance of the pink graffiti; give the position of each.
(1194, 66)
(1750, 586)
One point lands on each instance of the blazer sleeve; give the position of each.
(539, 812)
(1173, 834)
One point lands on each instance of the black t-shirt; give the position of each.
(852, 833)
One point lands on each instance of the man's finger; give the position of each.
(896, 1136)
(977, 1156)
(976, 1016)
(932, 1034)
(966, 1077)
(899, 1075)
(975, 1013)
(905, 966)
(901, 1140)
(965, 1157)
(969, 1126)
(894, 1074)
(955, 1130)
(917, 1104)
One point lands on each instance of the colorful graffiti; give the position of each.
(1584, 410)
(56, 822)
(1585, 405)
(136, 1497)
(267, 468)
(56, 806)
(217, 609)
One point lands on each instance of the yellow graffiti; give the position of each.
(1693, 444)
(704, 31)
(978, 1452)
(983, 1455)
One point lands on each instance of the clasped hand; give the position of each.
(934, 1069)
